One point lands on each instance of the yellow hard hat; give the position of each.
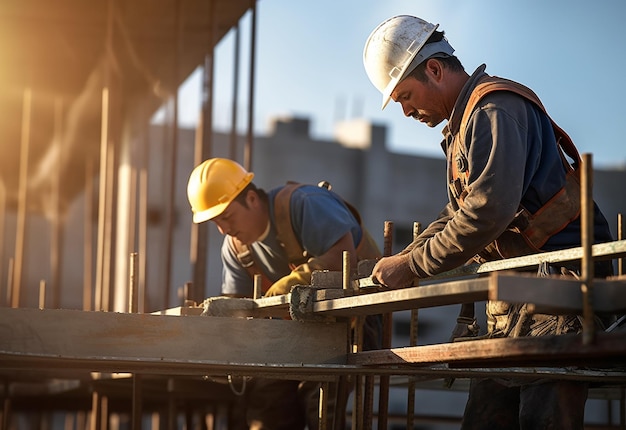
(213, 185)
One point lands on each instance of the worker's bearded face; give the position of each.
(421, 100)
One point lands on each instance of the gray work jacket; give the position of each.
(513, 159)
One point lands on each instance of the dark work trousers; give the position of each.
(546, 405)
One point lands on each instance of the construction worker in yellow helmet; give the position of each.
(512, 191)
(283, 235)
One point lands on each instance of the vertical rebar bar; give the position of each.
(42, 294)
(362, 399)
(587, 269)
(346, 272)
(620, 236)
(323, 405)
(6, 405)
(383, 396)
(96, 410)
(137, 404)
(357, 409)
(410, 411)
(132, 283)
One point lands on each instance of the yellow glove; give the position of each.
(301, 275)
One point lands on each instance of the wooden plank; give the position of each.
(557, 295)
(135, 337)
(600, 251)
(441, 294)
(545, 350)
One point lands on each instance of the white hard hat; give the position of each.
(394, 49)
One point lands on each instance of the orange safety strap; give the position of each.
(247, 259)
(367, 248)
(296, 255)
(564, 206)
(285, 235)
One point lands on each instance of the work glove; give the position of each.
(301, 275)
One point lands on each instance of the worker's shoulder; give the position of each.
(501, 104)
(497, 92)
(501, 98)
(296, 188)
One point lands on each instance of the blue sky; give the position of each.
(309, 63)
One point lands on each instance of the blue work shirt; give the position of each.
(319, 218)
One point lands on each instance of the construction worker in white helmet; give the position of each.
(283, 235)
(511, 192)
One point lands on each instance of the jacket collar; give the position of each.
(454, 123)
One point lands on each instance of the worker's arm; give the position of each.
(330, 260)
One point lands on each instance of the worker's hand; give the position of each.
(301, 275)
(394, 272)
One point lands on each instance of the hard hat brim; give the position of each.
(216, 209)
(209, 214)
(393, 83)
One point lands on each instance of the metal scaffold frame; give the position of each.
(257, 335)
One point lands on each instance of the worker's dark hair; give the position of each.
(241, 197)
(450, 62)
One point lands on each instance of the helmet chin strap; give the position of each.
(265, 233)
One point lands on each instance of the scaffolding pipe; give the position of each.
(108, 228)
(169, 240)
(3, 211)
(235, 104)
(20, 230)
(88, 239)
(142, 233)
(248, 149)
(100, 255)
(56, 237)
(125, 218)
(203, 150)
